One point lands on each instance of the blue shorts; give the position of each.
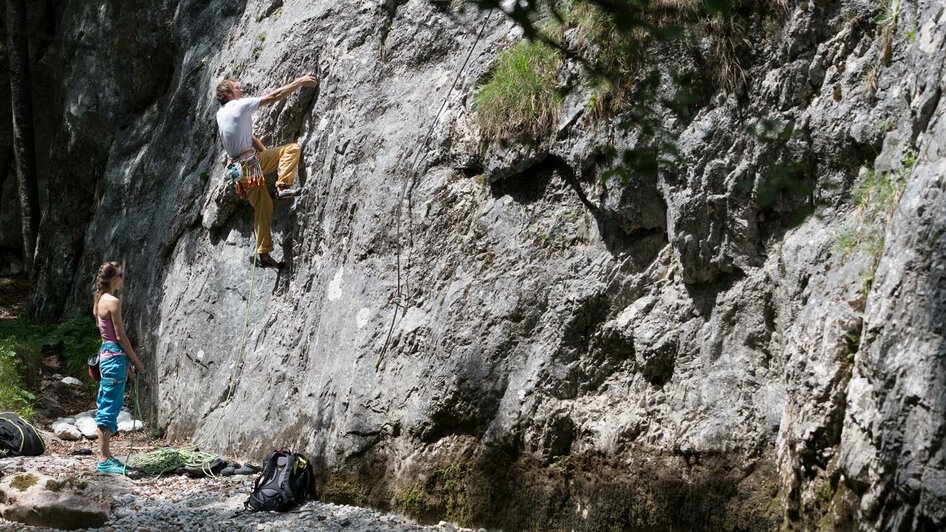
(111, 392)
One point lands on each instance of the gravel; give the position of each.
(185, 504)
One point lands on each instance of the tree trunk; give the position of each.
(23, 147)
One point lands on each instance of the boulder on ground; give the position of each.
(128, 425)
(67, 431)
(68, 503)
(67, 420)
(87, 426)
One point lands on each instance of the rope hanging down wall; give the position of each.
(407, 192)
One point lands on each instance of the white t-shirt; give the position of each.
(235, 120)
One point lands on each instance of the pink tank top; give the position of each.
(107, 329)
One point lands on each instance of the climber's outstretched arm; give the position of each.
(283, 92)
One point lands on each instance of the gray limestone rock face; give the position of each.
(693, 348)
(896, 417)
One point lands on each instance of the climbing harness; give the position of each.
(245, 172)
(408, 191)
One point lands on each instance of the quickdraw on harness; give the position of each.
(245, 172)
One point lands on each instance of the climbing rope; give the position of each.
(135, 415)
(163, 460)
(160, 461)
(443, 105)
(408, 191)
(231, 384)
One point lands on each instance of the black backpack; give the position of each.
(286, 480)
(18, 437)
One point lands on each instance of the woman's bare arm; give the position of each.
(115, 313)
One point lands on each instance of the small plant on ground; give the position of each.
(457, 494)
(23, 481)
(446, 493)
(75, 339)
(72, 340)
(908, 161)
(873, 192)
(618, 49)
(852, 341)
(520, 99)
(615, 52)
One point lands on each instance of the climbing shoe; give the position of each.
(265, 261)
(247, 469)
(206, 469)
(286, 193)
(110, 466)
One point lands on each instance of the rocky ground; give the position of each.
(179, 502)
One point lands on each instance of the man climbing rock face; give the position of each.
(235, 121)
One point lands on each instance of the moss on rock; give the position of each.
(343, 489)
(24, 481)
(641, 490)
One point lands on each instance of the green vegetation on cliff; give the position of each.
(520, 99)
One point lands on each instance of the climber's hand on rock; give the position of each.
(308, 80)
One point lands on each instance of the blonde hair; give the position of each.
(224, 90)
(103, 279)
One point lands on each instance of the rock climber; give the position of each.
(235, 121)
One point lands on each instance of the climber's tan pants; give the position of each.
(285, 158)
(262, 217)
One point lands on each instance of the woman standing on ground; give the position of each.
(112, 361)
